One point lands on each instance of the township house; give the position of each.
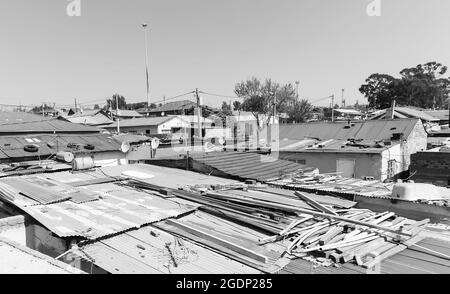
(375, 149)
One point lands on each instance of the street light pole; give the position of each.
(144, 25)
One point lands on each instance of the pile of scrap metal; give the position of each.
(323, 231)
(334, 184)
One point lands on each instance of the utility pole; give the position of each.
(274, 107)
(343, 99)
(117, 114)
(164, 100)
(199, 110)
(144, 25)
(332, 108)
(75, 104)
(297, 83)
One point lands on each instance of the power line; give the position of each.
(219, 95)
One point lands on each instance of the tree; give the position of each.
(300, 111)
(237, 105)
(422, 86)
(226, 108)
(259, 98)
(120, 99)
(96, 106)
(378, 90)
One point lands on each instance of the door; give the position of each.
(345, 167)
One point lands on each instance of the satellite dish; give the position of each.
(208, 147)
(125, 147)
(154, 143)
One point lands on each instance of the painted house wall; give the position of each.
(365, 164)
(166, 128)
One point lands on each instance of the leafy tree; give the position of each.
(120, 100)
(259, 98)
(96, 106)
(226, 108)
(300, 111)
(422, 86)
(237, 105)
(378, 90)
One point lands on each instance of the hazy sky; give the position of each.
(327, 45)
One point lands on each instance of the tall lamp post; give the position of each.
(144, 25)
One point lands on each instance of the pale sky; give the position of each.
(327, 45)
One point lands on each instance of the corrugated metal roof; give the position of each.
(140, 122)
(119, 209)
(341, 186)
(175, 105)
(244, 165)
(407, 112)
(126, 113)
(90, 120)
(46, 126)
(150, 250)
(372, 130)
(232, 232)
(13, 147)
(20, 117)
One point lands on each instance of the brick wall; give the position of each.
(431, 167)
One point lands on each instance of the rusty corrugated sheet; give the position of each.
(244, 165)
(150, 250)
(118, 210)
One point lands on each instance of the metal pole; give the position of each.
(146, 65)
(117, 114)
(332, 108)
(199, 115)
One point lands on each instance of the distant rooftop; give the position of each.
(373, 130)
(140, 122)
(175, 106)
(20, 117)
(407, 112)
(44, 126)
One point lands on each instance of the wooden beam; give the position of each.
(237, 248)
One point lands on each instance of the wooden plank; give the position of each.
(314, 203)
(333, 232)
(219, 241)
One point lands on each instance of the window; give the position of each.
(147, 132)
(391, 169)
(301, 161)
